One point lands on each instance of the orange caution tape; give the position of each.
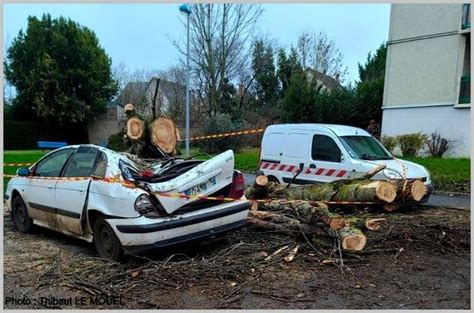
(238, 133)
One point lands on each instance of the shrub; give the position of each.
(20, 135)
(438, 145)
(116, 143)
(390, 142)
(411, 144)
(220, 123)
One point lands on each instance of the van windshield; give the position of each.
(365, 148)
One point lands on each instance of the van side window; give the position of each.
(325, 149)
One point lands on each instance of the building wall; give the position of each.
(104, 126)
(412, 20)
(442, 119)
(425, 61)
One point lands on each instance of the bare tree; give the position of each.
(172, 93)
(318, 52)
(219, 43)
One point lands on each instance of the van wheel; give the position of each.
(21, 219)
(273, 179)
(106, 242)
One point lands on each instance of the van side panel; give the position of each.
(272, 147)
(296, 147)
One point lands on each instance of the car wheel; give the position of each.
(273, 179)
(21, 219)
(106, 242)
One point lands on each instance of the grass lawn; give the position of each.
(451, 174)
(19, 156)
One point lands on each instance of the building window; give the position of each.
(465, 89)
(465, 83)
(466, 16)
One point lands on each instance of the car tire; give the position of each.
(106, 242)
(273, 179)
(21, 220)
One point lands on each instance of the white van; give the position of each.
(329, 152)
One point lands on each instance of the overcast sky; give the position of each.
(138, 35)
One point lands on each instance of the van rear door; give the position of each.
(282, 154)
(271, 153)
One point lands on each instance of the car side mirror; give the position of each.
(342, 158)
(23, 171)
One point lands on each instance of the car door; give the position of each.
(71, 195)
(41, 184)
(327, 160)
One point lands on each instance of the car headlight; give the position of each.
(143, 205)
(391, 174)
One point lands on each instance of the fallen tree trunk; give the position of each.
(357, 191)
(361, 189)
(294, 229)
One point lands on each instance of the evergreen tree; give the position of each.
(61, 74)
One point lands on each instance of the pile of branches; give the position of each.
(303, 209)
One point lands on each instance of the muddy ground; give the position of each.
(432, 271)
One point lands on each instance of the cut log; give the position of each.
(374, 224)
(259, 189)
(129, 108)
(163, 134)
(352, 238)
(410, 190)
(135, 128)
(418, 190)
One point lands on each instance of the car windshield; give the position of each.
(365, 148)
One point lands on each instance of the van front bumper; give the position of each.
(138, 235)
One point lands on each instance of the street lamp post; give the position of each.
(186, 9)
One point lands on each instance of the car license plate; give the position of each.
(201, 188)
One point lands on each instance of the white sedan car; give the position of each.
(122, 203)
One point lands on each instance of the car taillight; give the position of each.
(238, 186)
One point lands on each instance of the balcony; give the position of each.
(466, 16)
(465, 89)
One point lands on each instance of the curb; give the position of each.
(451, 193)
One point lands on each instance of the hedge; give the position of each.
(19, 135)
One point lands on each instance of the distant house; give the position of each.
(325, 81)
(428, 72)
(157, 95)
